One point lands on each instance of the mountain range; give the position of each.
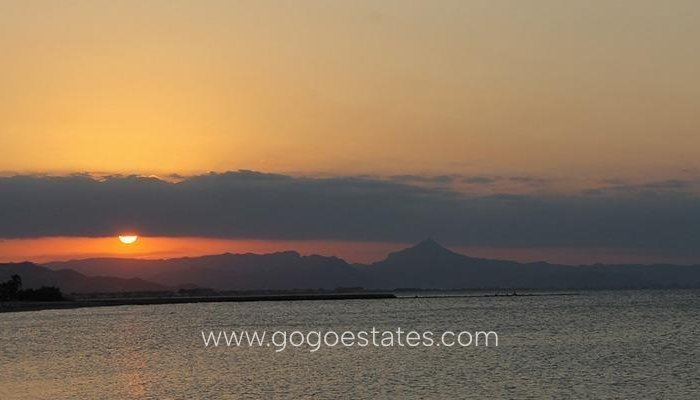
(69, 281)
(427, 265)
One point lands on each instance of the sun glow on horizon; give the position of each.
(128, 239)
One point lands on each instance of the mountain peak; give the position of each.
(427, 249)
(428, 243)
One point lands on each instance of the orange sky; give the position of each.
(543, 87)
(569, 92)
(67, 248)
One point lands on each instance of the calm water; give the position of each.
(628, 344)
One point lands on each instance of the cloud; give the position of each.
(422, 179)
(669, 187)
(480, 180)
(469, 180)
(249, 204)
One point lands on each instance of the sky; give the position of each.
(565, 131)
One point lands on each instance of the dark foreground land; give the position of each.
(14, 306)
(17, 306)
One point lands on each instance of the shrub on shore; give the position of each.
(12, 291)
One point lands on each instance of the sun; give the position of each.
(128, 239)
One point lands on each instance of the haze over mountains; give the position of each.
(69, 281)
(427, 265)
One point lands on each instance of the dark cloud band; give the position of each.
(250, 204)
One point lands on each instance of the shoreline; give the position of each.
(453, 296)
(21, 306)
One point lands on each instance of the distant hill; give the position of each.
(276, 271)
(430, 265)
(427, 265)
(34, 276)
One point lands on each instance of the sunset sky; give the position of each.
(522, 129)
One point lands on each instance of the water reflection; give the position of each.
(600, 344)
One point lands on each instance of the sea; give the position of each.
(628, 344)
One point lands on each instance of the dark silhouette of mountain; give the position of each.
(430, 265)
(276, 271)
(35, 276)
(427, 265)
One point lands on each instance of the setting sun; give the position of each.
(128, 239)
